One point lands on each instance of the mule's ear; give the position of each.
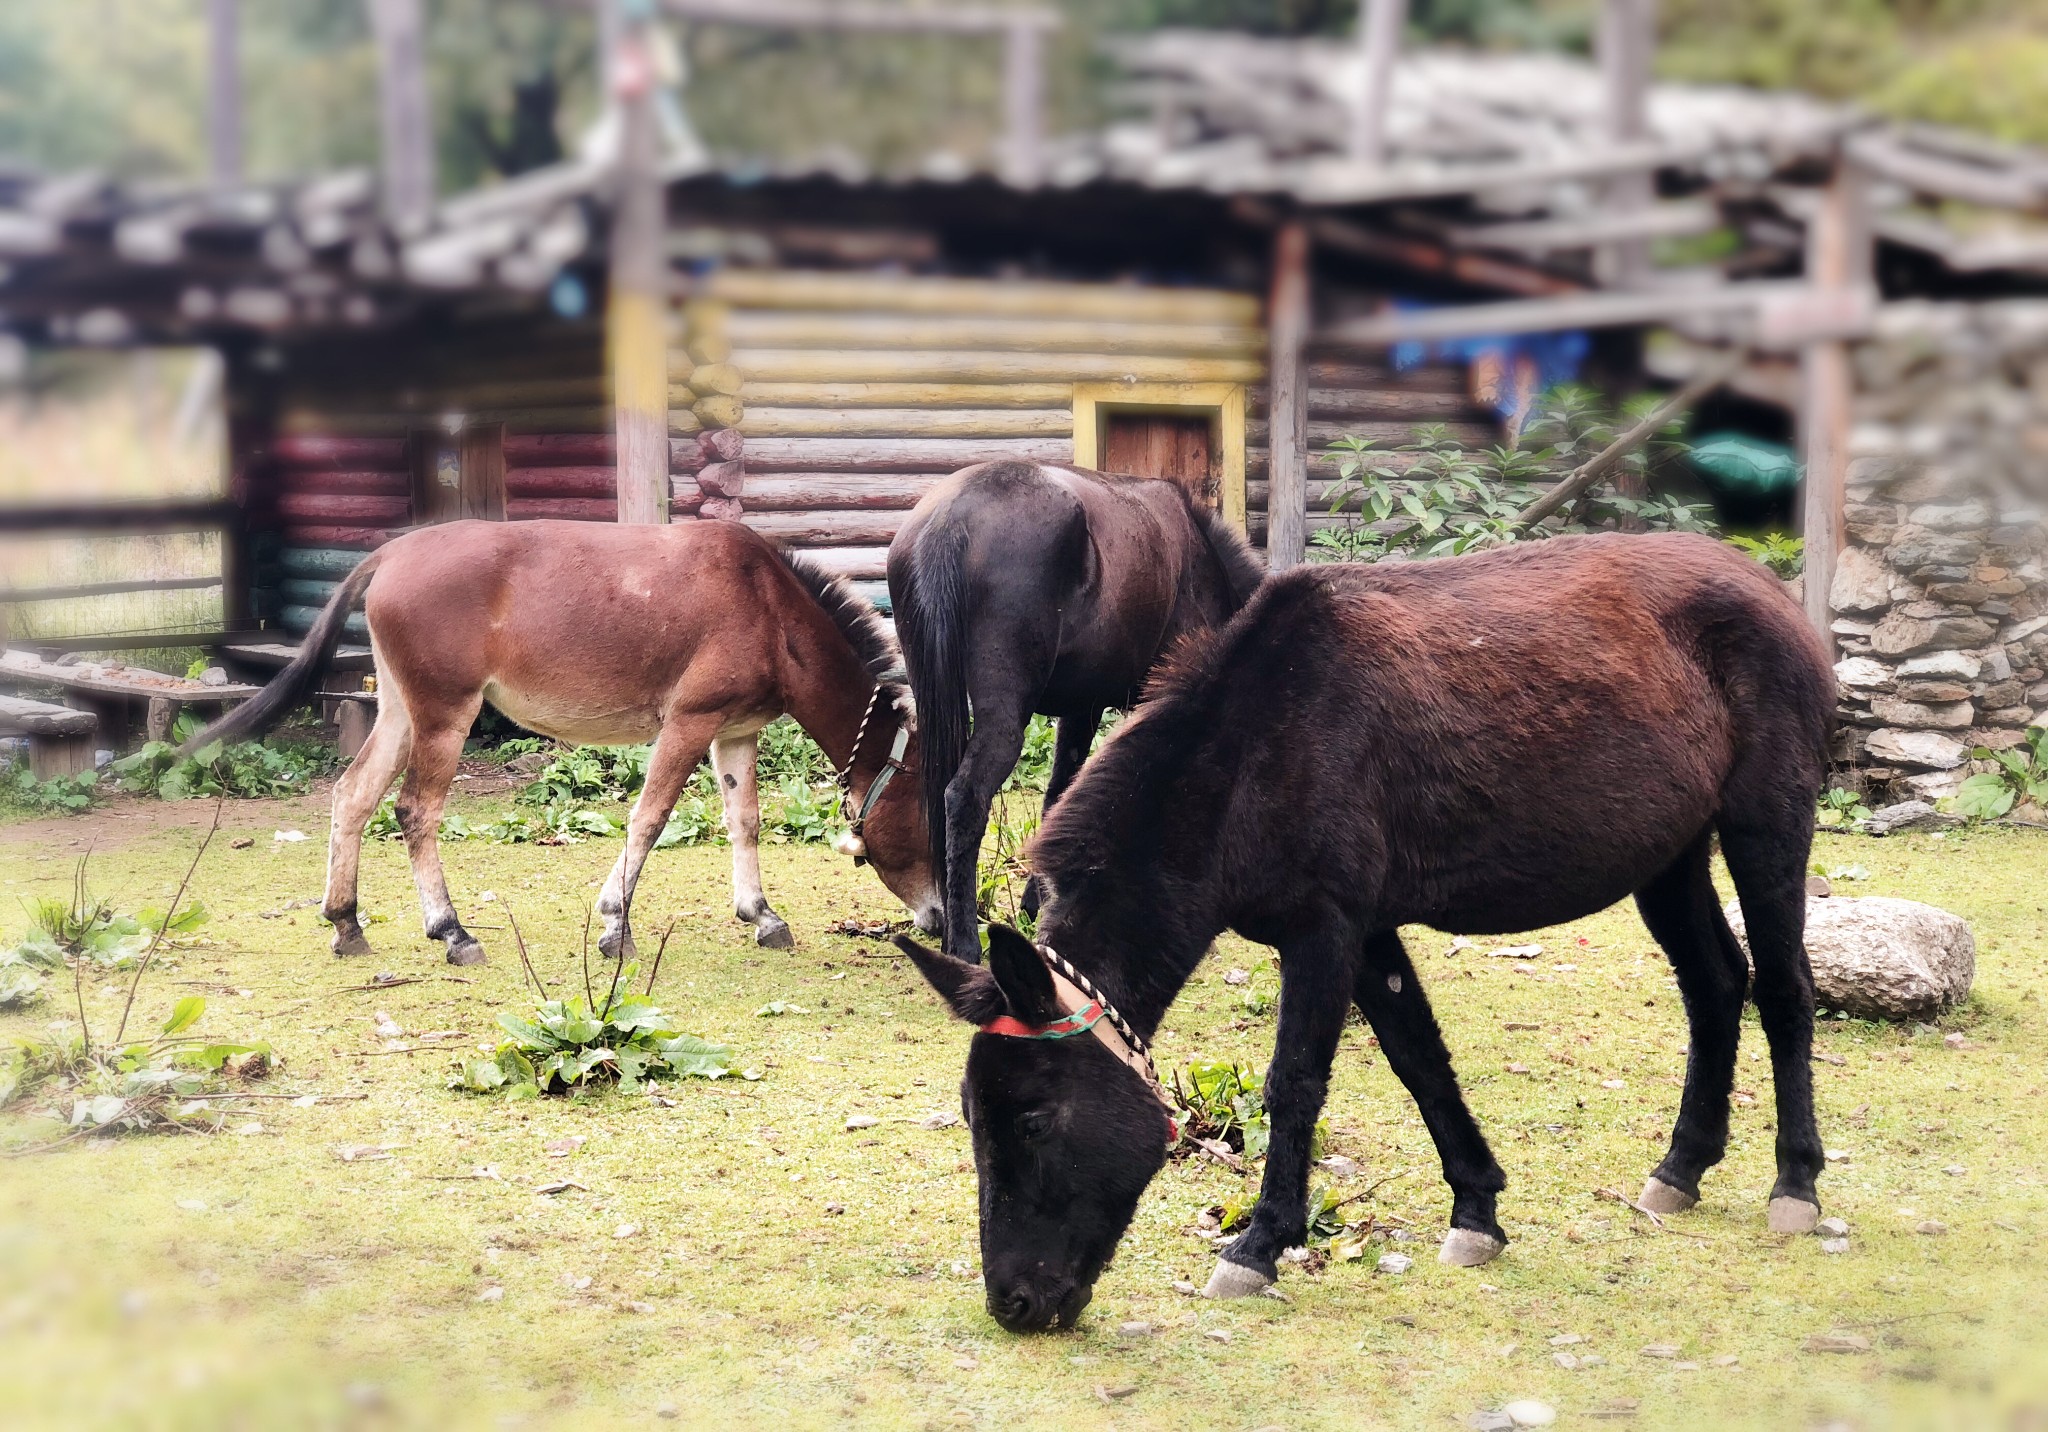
(968, 990)
(1022, 976)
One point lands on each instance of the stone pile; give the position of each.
(1941, 595)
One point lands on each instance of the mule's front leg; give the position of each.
(1074, 735)
(1315, 995)
(1391, 999)
(732, 761)
(677, 750)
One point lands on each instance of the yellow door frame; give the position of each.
(1223, 402)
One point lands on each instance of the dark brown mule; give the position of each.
(1019, 588)
(1483, 744)
(692, 636)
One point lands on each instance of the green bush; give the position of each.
(2022, 775)
(248, 769)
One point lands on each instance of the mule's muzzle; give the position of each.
(1030, 1306)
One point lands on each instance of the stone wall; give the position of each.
(1941, 597)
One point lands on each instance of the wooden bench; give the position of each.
(60, 740)
(115, 693)
(344, 704)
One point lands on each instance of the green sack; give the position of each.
(1739, 461)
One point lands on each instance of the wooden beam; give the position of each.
(1379, 39)
(106, 589)
(1679, 219)
(861, 15)
(1546, 315)
(637, 323)
(101, 518)
(1838, 261)
(1426, 256)
(408, 121)
(224, 92)
(1288, 324)
(1627, 43)
(1024, 101)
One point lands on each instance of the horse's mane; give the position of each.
(853, 614)
(1242, 570)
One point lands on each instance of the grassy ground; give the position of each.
(257, 1279)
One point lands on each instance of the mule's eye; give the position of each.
(1035, 1123)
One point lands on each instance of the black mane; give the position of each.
(853, 614)
(1242, 569)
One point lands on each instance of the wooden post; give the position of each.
(636, 324)
(1838, 257)
(1627, 44)
(408, 121)
(224, 93)
(1287, 324)
(1379, 38)
(1023, 102)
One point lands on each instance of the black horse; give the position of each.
(1021, 588)
(1482, 744)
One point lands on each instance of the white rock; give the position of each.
(1395, 1262)
(1880, 958)
(1928, 749)
(1528, 1412)
(1860, 673)
(1962, 665)
(1862, 582)
(1937, 785)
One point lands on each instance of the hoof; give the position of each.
(1468, 1248)
(774, 935)
(467, 952)
(1793, 1215)
(351, 945)
(1660, 1197)
(1234, 1280)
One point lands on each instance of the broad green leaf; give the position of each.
(184, 1014)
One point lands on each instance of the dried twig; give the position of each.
(520, 940)
(662, 949)
(170, 913)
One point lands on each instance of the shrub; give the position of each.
(248, 769)
(2021, 775)
(61, 795)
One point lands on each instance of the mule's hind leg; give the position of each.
(1076, 733)
(356, 796)
(1767, 858)
(732, 760)
(435, 754)
(1390, 997)
(1685, 918)
(677, 750)
(991, 755)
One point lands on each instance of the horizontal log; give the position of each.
(770, 288)
(338, 419)
(857, 563)
(1384, 404)
(909, 395)
(306, 591)
(299, 619)
(908, 422)
(1606, 309)
(350, 484)
(897, 455)
(354, 539)
(341, 507)
(1331, 371)
(328, 451)
(561, 482)
(320, 563)
(1322, 434)
(559, 450)
(572, 509)
(785, 365)
(185, 514)
(830, 491)
(827, 529)
(752, 330)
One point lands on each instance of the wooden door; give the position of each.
(1163, 444)
(459, 474)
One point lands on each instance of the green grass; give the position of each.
(258, 1280)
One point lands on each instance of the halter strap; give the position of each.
(858, 822)
(1091, 1014)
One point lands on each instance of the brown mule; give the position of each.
(692, 636)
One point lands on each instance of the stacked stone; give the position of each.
(1941, 596)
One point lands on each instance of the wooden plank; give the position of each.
(194, 514)
(1549, 315)
(223, 93)
(864, 16)
(826, 529)
(1386, 405)
(898, 454)
(761, 329)
(970, 366)
(1627, 42)
(343, 507)
(1316, 436)
(907, 422)
(1288, 326)
(1428, 256)
(573, 509)
(98, 680)
(598, 482)
(636, 326)
(483, 471)
(106, 589)
(908, 395)
(1682, 218)
(1838, 260)
(832, 491)
(559, 450)
(992, 298)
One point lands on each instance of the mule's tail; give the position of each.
(931, 622)
(288, 689)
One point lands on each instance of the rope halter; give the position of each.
(1090, 1013)
(854, 841)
